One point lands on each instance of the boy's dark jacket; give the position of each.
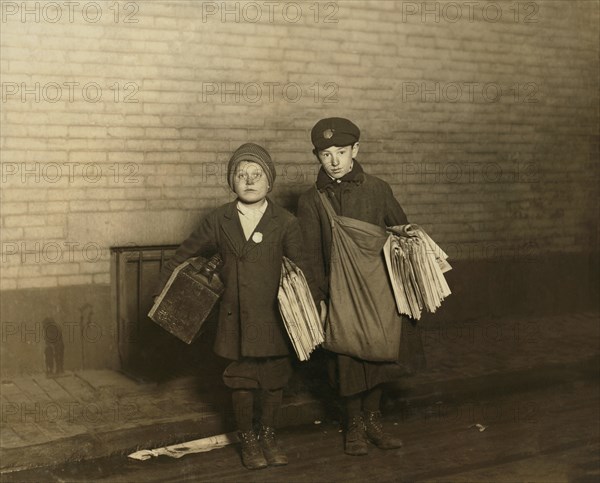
(358, 195)
(249, 324)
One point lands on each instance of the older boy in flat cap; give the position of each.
(344, 189)
(251, 234)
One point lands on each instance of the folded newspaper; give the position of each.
(298, 310)
(416, 266)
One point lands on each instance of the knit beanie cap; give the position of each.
(255, 154)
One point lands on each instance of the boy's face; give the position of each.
(336, 160)
(250, 182)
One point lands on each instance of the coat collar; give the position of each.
(234, 232)
(355, 176)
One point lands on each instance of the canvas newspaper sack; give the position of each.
(362, 318)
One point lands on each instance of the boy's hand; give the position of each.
(411, 229)
(323, 313)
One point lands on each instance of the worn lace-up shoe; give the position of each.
(252, 455)
(376, 434)
(270, 447)
(356, 440)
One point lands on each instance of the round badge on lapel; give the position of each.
(257, 237)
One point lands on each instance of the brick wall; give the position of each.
(118, 119)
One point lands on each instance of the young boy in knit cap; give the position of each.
(252, 234)
(351, 192)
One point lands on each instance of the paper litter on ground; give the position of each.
(196, 446)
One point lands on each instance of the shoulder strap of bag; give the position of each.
(327, 205)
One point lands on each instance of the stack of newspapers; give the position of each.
(298, 310)
(416, 265)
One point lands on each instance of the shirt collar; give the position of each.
(246, 210)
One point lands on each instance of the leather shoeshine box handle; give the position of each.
(211, 267)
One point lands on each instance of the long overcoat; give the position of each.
(363, 197)
(367, 198)
(249, 323)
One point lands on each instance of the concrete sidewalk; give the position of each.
(52, 420)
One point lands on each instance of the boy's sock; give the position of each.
(243, 405)
(270, 406)
(353, 406)
(372, 399)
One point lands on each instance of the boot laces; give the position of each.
(267, 434)
(374, 421)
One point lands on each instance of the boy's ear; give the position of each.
(355, 147)
(316, 153)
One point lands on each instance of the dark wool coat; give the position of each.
(367, 198)
(360, 196)
(250, 324)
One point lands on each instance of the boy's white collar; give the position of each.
(246, 209)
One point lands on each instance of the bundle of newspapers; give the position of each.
(416, 265)
(298, 310)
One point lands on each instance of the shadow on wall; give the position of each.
(54, 347)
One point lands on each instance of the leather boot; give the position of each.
(355, 439)
(270, 447)
(252, 455)
(376, 434)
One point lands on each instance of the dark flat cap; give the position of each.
(334, 131)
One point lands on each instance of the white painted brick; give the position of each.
(88, 206)
(24, 220)
(8, 284)
(23, 194)
(127, 205)
(162, 157)
(190, 204)
(11, 234)
(126, 157)
(44, 233)
(163, 132)
(37, 282)
(46, 207)
(56, 219)
(101, 278)
(87, 157)
(60, 269)
(87, 132)
(178, 146)
(126, 132)
(9, 272)
(75, 279)
(13, 208)
(94, 268)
